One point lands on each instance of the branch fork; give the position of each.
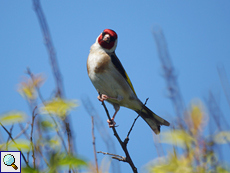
(122, 143)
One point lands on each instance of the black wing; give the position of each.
(116, 62)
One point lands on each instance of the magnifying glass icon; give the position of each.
(9, 160)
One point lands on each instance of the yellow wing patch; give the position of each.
(129, 82)
(116, 62)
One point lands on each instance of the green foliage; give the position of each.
(23, 144)
(30, 170)
(27, 88)
(179, 138)
(13, 117)
(47, 125)
(69, 160)
(46, 148)
(58, 106)
(173, 164)
(59, 160)
(49, 151)
(197, 155)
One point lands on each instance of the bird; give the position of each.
(110, 79)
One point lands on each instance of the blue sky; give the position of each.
(198, 38)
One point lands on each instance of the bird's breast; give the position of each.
(98, 62)
(107, 80)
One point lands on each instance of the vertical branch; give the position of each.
(94, 144)
(54, 65)
(170, 76)
(49, 46)
(31, 135)
(169, 73)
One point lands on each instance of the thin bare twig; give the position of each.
(123, 144)
(94, 144)
(24, 158)
(69, 137)
(158, 146)
(47, 163)
(115, 156)
(7, 142)
(103, 131)
(23, 131)
(31, 135)
(137, 118)
(43, 102)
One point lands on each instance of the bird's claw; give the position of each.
(102, 97)
(112, 123)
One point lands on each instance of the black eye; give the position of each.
(103, 34)
(112, 39)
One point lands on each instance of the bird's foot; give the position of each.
(112, 123)
(102, 97)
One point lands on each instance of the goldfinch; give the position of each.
(111, 80)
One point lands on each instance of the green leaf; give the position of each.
(22, 144)
(70, 160)
(197, 118)
(13, 117)
(58, 160)
(27, 88)
(222, 137)
(30, 170)
(54, 143)
(47, 125)
(222, 170)
(177, 137)
(58, 107)
(172, 163)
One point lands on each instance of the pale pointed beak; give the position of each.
(106, 38)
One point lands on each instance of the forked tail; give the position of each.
(153, 120)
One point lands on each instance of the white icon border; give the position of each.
(9, 169)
